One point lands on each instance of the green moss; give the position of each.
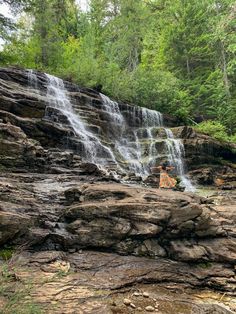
(7, 253)
(205, 265)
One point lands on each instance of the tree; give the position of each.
(178, 57)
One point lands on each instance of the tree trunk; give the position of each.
(224, 68)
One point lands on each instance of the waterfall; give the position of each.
(176, 153)
(133, 152)
(129, 151)
(131, 138)
(113, 109)
(151, 118)
(32, 80)
(58, 98)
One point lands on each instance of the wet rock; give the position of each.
(90, 168)
(73, 195)
(26, 106)
(203, 176)
(153, 180)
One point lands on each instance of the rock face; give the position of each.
(117, 135)
(76, 225)
(210, 162)
(90, 237)
(61, 212)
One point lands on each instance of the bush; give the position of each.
(214, 129)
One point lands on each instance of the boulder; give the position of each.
(12, 226)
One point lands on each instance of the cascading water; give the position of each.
(135, 140)
(57, 98)
(32, 80)
(113, 109)
(176, 153)
(129, 151)
(125, 151)
(151, 118)
(132, 151)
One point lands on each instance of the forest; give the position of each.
(177, 57)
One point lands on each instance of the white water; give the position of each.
(32, 80)
(113, 109)
(129, 151)
(58, 98)
(134, 147)
(133, 153)
(176, 153)
(151, 118)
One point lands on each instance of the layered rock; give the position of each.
(73, 226)
(86, 237)
(25, 103)
(210, 162)
(57, 212)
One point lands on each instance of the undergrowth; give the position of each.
(15, 294)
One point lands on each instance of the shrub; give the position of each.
(214, 129)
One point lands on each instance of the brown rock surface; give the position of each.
(72, 218)
(115, 217)
(95, 282)
(24, 105)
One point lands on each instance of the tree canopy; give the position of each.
(178, 57)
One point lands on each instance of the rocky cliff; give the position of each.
(118, 136)
(93, 243)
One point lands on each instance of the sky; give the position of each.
(4, 9)
(83, 4)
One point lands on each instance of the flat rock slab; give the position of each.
(95, 282)
(62, 212)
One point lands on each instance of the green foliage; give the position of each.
(215, 129)
(178, 57)
(13, 294)
(232, 138)
(6, 253)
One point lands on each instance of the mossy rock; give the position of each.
(6, 253)
(205, 265)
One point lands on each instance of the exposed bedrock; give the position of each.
(56, 212)
(25, 104)
(97, 282)
(91, 244)
(68, 214)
